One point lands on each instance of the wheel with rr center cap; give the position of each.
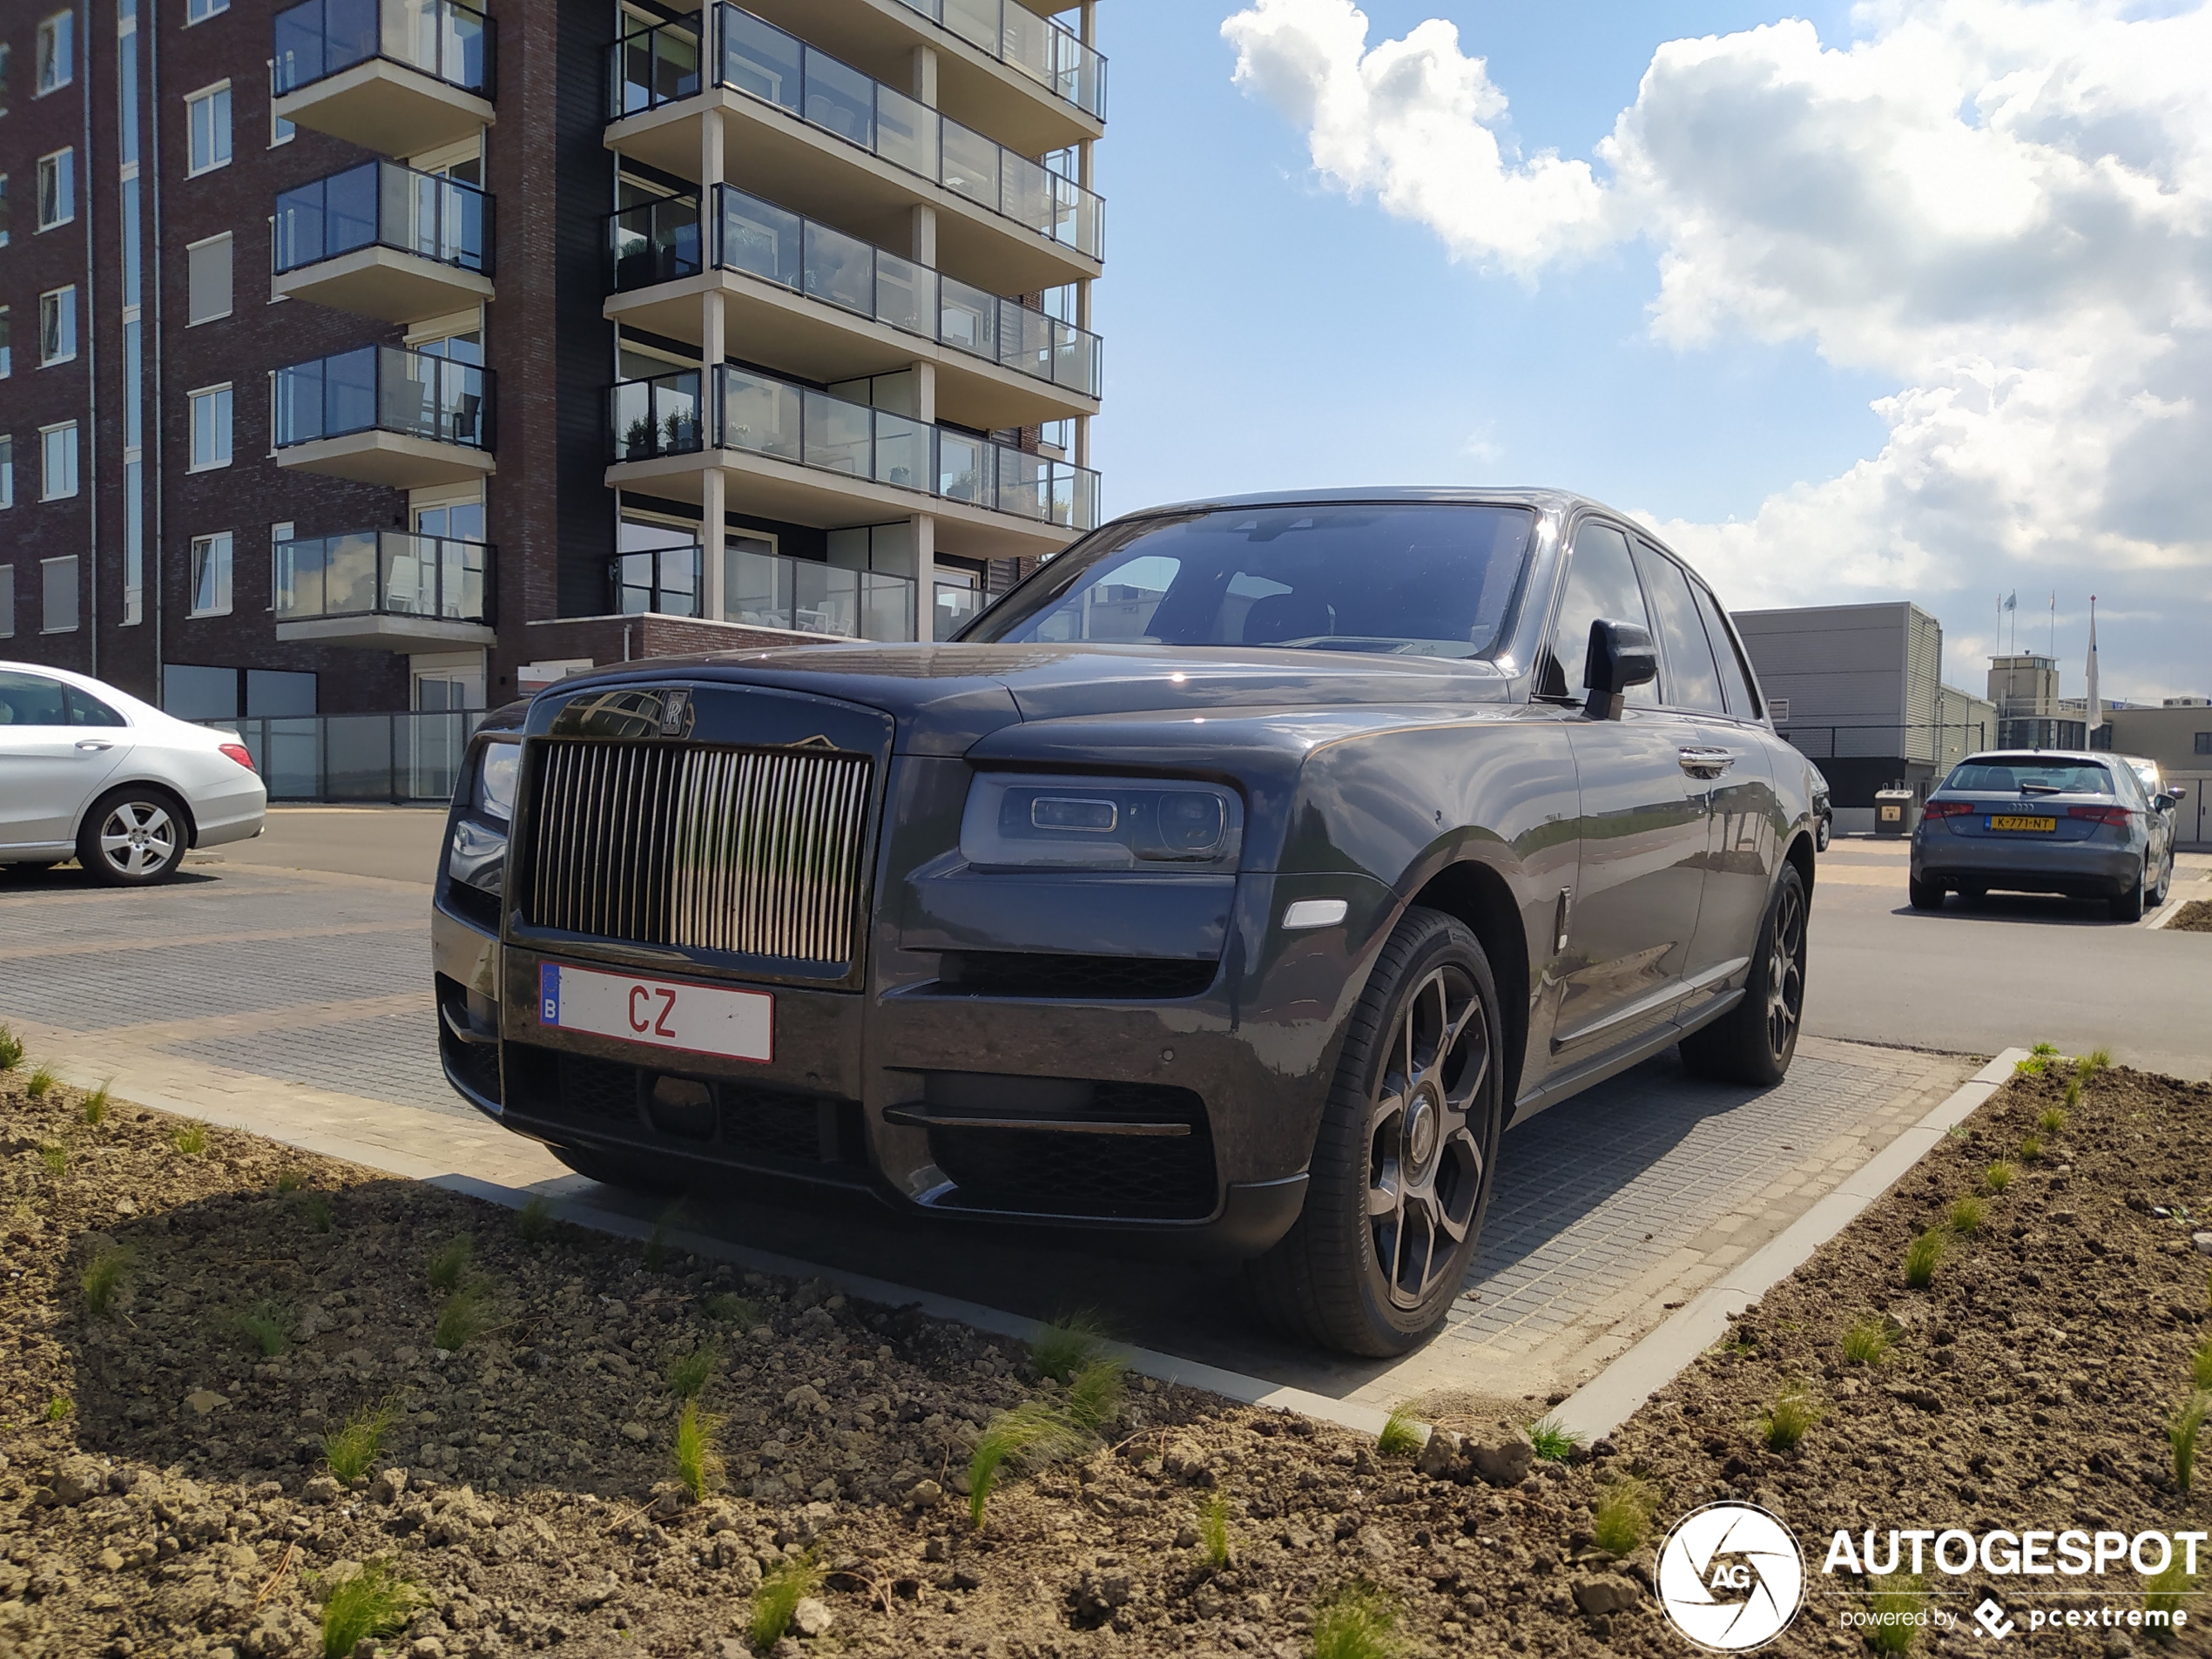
(1403, 1165)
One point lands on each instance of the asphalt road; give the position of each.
(398, 843)
(2015, 968)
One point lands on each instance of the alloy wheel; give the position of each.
(139, 837)
(1424, 1160)
(1785, 970)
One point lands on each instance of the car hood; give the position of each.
(946, 698)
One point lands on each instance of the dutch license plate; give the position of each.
(2035, 825)
(667, 1014)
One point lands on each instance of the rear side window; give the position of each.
(2031, 775)
(1693, 680)
(31, 699)
(1600, 585)
(87, 710)
(1735, 680)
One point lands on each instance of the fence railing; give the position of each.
(1889, 740)
(448, 41)
(1044, 51)
(746, 54)
(391, 573)
(396, 758)
(385, 389)
(769, 590)
(384, 204)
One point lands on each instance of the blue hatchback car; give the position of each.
(2077, 823)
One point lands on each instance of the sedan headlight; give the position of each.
(477, 856)
(1040, 822)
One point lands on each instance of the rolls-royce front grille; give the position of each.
(754, 852)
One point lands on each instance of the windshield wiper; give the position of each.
(2042, 789)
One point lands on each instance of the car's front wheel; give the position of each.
(133, 837)
(1406, 1155)
(1754, 1041)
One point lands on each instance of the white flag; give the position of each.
(2096, 705)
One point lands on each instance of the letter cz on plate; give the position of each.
(668, 1013)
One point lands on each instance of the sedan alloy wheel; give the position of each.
(1424, 1164)
(132, 837)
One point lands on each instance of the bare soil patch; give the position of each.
(2195, 917)
(165, 1486)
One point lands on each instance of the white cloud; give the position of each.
(2005, 206)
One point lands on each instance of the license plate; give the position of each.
(2037, 826)
(667, 1013)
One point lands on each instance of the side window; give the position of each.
(1600, 585)
(1735, 678)
(31, 699)
(1693, 682)
(86, 710)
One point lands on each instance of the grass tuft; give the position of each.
(1067, 1344)
(699, 1462)
(1213, 1531)
(1553, 1440)
(314, 1210)
(688, 1377)
(1900, 1597)
(534, 1221)
(448, 1266)
(267, 1326)
(1623, 1515)
(782, 1588)
(1999, 1175)
(103, 1279)
(726, 1307)
(191, 1139)
(289, 1181)
(41, 1083)
(2052, 1123)
(1095, 1396)
(1867, 1342)
(56, 1158)
(1036, 1431)
(1401, 1434)
(1355, 1622)
(59, 1407)
(2200, 1364)
(2169, 1592)
(376, 1601)
(92, 1111)
(10, 1049)
(349, 1449)
(1922, 1257)
(466, 1315)
(1967, 1216)
(2073, 1092)
(2031, 1148)
(2091, 1063)
(1788, 1417)
(2181, 1434)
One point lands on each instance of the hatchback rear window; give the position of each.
(2030, 775)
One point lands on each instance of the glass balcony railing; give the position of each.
(381, 204)
(383, 573)
(1044, 51)
(766, 416)
(663, 65)
(447, 41)
(661, 241)
(768, 591)
(385, 389)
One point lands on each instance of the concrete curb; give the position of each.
(1617, 1392)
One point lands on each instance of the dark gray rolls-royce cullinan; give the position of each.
(1241, 875)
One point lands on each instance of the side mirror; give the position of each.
(2167, 802)
(1620, 655)
(2179, 792)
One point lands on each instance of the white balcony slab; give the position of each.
(385, 283)
(387, 107)
(388, 458)
(386, 632)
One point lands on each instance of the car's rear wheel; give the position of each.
(2129, 906)
(1924, 895)
(133, 837)
(1404, 1163)
(1754, 1042)
(617, 1170)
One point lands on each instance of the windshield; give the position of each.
(2030, 775)
(1424, 581)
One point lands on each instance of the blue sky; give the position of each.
(1267, 328)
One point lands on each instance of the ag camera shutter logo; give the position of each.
(1731, 1577)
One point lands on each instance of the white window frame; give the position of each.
(201, 10)
(7, 471)
(6, 206)
(55, 62)
(7, 601)
(221, 438)
(280, 131)
(67, 290)
(226, 135)
(46, 436)
(230, 240)
(7, 343)
(76, 593)
(66, 160)
(205, 546)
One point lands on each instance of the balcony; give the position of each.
(851, 146)
(806, 457)
(834, 307)
(384, 590)
(1024, 78)
(769, 590)
(385, 416)
(382, 240)
(398, 77)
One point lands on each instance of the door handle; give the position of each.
(1707, 762)
(94, 744)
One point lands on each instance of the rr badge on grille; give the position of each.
(674, 706)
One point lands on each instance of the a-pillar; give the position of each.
(713, 348)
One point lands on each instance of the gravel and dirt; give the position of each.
(190, 1319)
(2195, 917)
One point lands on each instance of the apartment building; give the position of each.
(382, 355)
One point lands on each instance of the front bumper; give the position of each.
(2078, 869)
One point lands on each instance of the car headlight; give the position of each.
(496, 769)
(477, 855)
(1035, 822)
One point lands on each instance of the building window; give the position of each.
(7, 348)
(57, 326)
(57, 462)
(201, 10)
(3, 77)
(210, 428)
(280, 129)
(211, 575)
(7, 601)
(56, 52)
(207, 122)
(207, 280)
(56, 189)
(3, 188)
(60, 576)
(7, 472)
(2204, 743)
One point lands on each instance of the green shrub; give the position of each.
(41, 1083)
(314, 1210)
(1067, 1344)
(466, 1315)
(699, 1461)
(534, 1221)
(2052, 1122)
(1623, 1515)
(1867, 1342)
(2172, 1590)
(1922, 1257)
(59, 1407)
(449, 1264)
(1787, 1418)
(1401, 1433)
(191, 1139)
(1999, 1175)
(376, 1599)
(1036, 1431)
(2031, 1148)
(289, 1181)
(725, 1308)
(1553, 1440)
(1900, 1597)
(2181, 1434)
(2091, 1063)
(1357, 1620)
(56, 1158)
(93, 1110)
(104, 1276)
(267, 1326)
(688, 1377)
(1967, 1216)
(1213, 1531)
(10, 1049)
(2200, 1364)
(782, 1588)
(1095, 1396)
(349, 1449)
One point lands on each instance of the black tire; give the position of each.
(134, 837)
(1823, 834)
(618, 1170)
(1924, 895)
(1420, 1076)
(1754, 1041)
(2129, 906)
